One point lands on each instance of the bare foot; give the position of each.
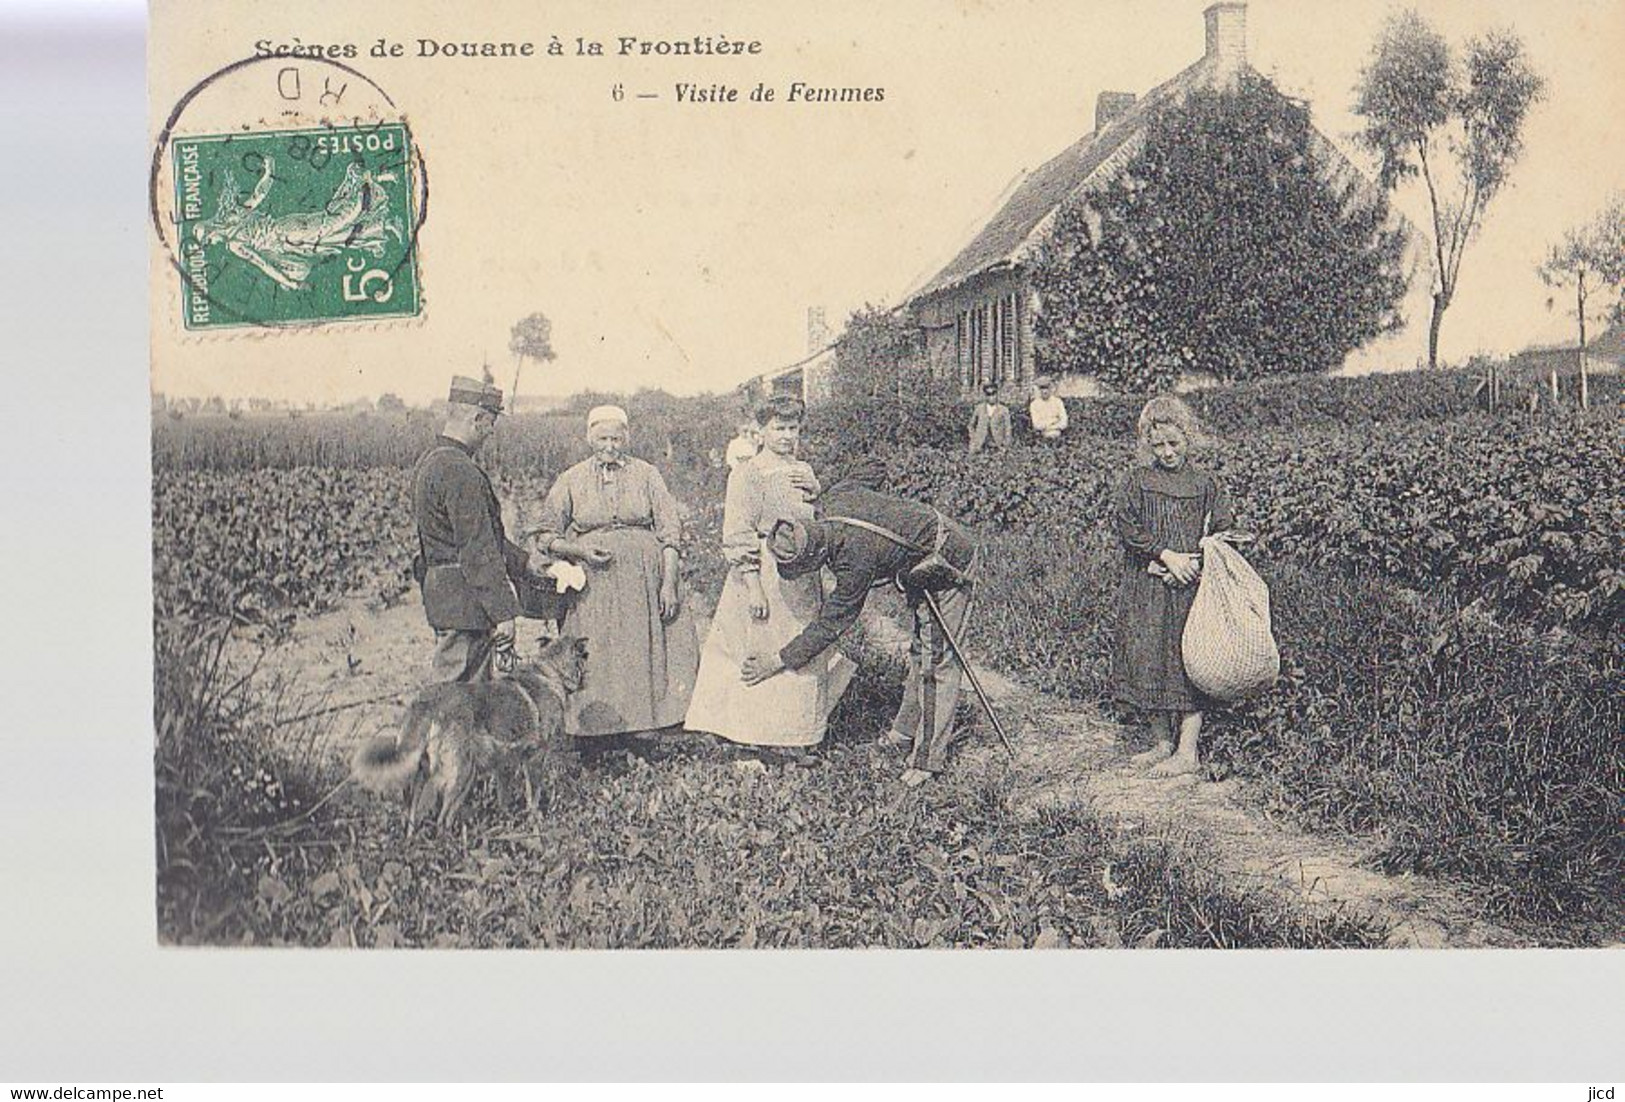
(1160, 752)
(1179, 765)
(913, 778)
(894, 740)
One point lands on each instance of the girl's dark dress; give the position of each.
(1157, 510)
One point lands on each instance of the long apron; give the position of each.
(640, 671)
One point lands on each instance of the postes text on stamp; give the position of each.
(296, 227)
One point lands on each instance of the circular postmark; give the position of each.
(308, 215)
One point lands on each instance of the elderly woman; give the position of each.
(760, 611)
(613, 514)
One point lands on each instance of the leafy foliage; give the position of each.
(1528, 521)
(1524, 513)
(840, 429)
(874, 359)
(1225, 246)
(1469, 748)
(700, 850)
(216, 775)
(1590, 261)
(1459, 746)
(1455, 122)
(261, 545)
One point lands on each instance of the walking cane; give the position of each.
(970, 674)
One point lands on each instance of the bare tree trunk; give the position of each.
(513, 395)
(1580, 312)
(1440, 303)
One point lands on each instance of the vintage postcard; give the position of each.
(1020, 474)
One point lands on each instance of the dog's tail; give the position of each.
(385, 763)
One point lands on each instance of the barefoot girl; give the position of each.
(1164, 506)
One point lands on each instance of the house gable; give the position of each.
(1091, 162)
(976, 314)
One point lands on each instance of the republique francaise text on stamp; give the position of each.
(296, 227)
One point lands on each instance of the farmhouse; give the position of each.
(975, 315)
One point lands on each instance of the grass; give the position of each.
(1467, 747)
(701, 848)
(1462, 745)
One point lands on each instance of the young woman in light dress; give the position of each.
(759, 612)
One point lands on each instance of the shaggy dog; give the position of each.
(454, 732)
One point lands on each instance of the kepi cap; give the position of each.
(475, 392)
(798, 547)
(787, 540)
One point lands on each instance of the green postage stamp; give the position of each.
(297, 227)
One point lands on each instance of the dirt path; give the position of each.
(1067, 757)
(354, 667)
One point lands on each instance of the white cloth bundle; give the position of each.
(566, 575)
(1228, 647)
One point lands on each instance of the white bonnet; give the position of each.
(601, 414)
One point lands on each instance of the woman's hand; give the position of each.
(1183, 567)
(756, 599)
(670, 604)
(598, 557)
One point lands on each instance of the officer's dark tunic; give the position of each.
(466, 592)
(860, 560)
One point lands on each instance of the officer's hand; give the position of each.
(598, 556)
(759, 667)
(802, 480)
(503, 634)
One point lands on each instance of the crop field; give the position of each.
(1447, 589)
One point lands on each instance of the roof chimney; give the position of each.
(817, 330)
(1227, 37)
(1110, 106)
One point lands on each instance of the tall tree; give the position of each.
(1226, 245)
(1456, 123)
(1590, 260)
(531, 337)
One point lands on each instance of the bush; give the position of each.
(217, 775)
(1225, 216)
(1527, 520)
(840, 430)
(256, 545)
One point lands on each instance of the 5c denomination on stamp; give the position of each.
(296, 227)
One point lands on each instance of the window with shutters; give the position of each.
(987, 343)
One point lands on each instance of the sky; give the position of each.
(680, 245)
